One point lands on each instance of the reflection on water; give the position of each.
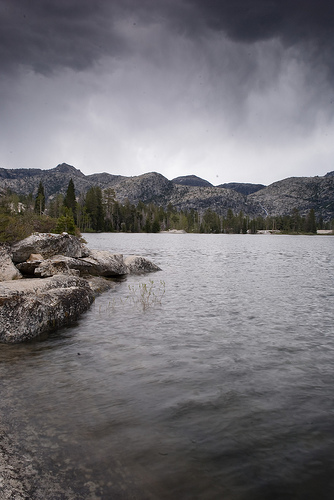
(222, 391)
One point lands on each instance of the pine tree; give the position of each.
(310, 223)
(55, 206)
(94, 208)
(156, 226)
(70, 199)
(40, 199)
(109, 205)
(65, 223)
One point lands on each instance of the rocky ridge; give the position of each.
(191, 180)
(72, 276)
(217, 199)
(303, 193)
(279, 198)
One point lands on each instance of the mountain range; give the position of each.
(186, 192)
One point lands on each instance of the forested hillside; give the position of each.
(64, 198)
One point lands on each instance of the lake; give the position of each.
(219, 384)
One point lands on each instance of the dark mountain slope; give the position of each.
(191, 180)
(243, 188)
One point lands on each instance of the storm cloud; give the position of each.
(229, 91)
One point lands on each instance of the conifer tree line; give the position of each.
(97, 211)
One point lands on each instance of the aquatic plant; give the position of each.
(142, 296)
(146, 295)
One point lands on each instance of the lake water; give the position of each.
(221, 388)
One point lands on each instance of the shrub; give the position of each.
(15, 227)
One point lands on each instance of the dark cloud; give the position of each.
(44, 34)
(177, 86)
(307, 25)
(254, 20)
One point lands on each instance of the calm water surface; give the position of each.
(224, 390)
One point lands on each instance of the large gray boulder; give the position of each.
(105, 263)
(31, 307)
(47, 245)
(138, 265)
(7, 269)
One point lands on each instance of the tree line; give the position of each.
(98, 211)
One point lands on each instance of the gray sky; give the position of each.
(227, 90)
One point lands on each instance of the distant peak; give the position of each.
(67, 169)
(191, 180)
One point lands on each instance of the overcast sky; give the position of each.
(228, 90)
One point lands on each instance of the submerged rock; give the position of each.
(34, 306)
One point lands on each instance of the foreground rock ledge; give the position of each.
(34, 306)
(62, 278)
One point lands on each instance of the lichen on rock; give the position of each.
(31, 307)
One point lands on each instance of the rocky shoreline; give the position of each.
(48, 280)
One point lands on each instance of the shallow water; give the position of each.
(222, 388)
